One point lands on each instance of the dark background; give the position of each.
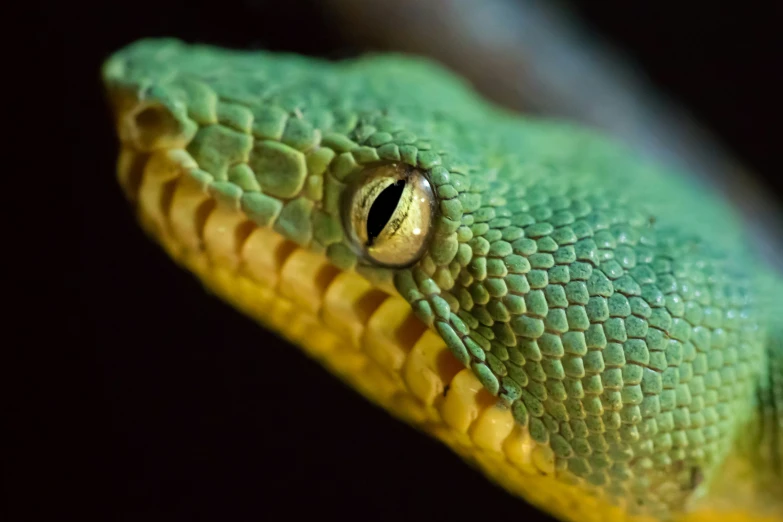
(150, 400)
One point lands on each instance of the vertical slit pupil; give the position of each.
(382, 209)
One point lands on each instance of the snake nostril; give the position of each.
(150, 117)
(152, 126)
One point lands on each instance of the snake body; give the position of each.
(588, 329)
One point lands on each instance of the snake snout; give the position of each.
(149, 124)
(149, 115)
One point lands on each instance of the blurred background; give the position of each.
(153, 402)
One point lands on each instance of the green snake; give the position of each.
(588, 329)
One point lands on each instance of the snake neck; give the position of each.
(753, 474)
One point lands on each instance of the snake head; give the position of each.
(499, 283)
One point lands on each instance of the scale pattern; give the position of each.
(611, 305)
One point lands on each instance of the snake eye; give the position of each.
(389, 214)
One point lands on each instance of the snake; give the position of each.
(588, 329)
